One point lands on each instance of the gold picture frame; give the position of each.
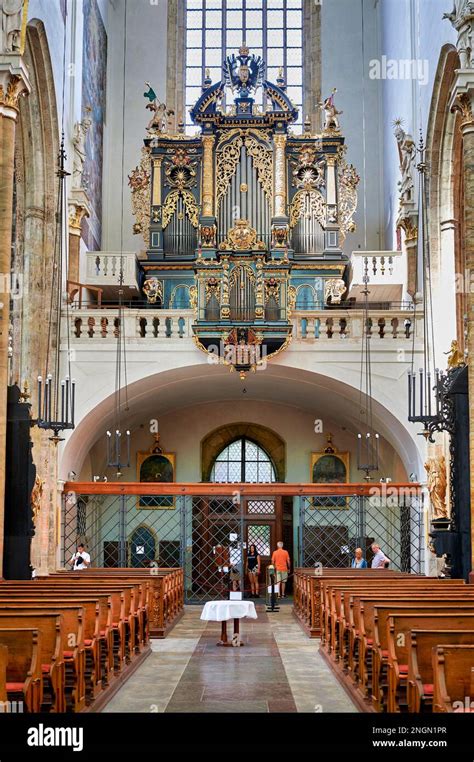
(330, 467)
(155, 465)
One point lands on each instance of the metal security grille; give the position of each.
(204, 535)
(332, 527)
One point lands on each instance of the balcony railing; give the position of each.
(103, 268)
(309, 326)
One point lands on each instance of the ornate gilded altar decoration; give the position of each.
(36, 497)
(331, 115)
(272, 289)
(334, 289)
(308, 169)
(171, 203)
(456, 358)
(294, 196)
(309, 202)
(437, 483)
(139, 182)
(348, 182)
(241, 237)
(153, 290)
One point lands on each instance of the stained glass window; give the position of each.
(270, 28)
(243, 461)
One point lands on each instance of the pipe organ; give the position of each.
(245, 220)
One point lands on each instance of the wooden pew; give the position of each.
(166, 603)
(3, 674)
(390, 671)
(363, 635)
(308, 585)
(420, 681)
(91, 627)
(72, 642)
(24, 682)
(453, 670)
(49, 623)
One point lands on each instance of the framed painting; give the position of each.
(154, 466)
(330, 467)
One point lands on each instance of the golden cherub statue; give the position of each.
(455, 356)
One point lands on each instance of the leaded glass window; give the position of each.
(243, 461)
(270, 28)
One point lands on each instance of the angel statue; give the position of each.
(436, 483)
(456, 357)
(79, 142)
(331, 121)
(159, 121)
(12, 14)
(462, 19)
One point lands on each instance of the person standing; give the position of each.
(253, 570)
(81, 559)
(358, 562)
(281, 562)
(380, 560)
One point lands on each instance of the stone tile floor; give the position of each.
(278, 670)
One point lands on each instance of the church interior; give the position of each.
(236, 357)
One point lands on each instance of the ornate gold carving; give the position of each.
(308, 172)
(291, 299)
(463, 105)
(272, 290)
(242, 237)
(456, 358)
(77, 212)
(279, 142)
(262, 161)
(153, 290)
(190, 205)
(36, 495)
(227, 160)
(348, 182)
(207, 234)
(139, 182)
(410, 229)
(334, 288)
(212, 288)
(193, 297)
(228, 157)
(317, 207)
(15, 87)
(437, 483)
(208, 175)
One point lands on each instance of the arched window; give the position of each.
(243, 461)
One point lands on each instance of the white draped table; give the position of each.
(223, 611)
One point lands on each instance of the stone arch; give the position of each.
(35, 200)
(267, 439)
(444, 157)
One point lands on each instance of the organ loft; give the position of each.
(244, 221)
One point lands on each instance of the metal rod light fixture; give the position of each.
(425, 387)
(367, 442)
(115, 451)
(56, 399)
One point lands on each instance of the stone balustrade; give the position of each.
(103, 268)
(343, 324)
(308, 326)
(148, 324)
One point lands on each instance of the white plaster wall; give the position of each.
(145, 61)
(182, 432)
(350, 40)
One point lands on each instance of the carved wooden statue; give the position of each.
(436, 483)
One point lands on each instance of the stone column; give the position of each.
(279, 202)
(208, 176)
(13, 83)
(410, 227)
(463, 102)
(78, 209)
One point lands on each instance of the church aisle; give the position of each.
(278, 670)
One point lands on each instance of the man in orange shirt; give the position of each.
(281, 562)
